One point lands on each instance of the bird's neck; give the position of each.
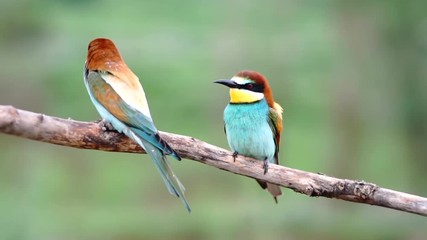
(244, 96)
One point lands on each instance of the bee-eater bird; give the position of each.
(253, 121)
(120, 100)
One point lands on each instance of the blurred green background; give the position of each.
(351, 75)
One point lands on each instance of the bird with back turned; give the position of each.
(120, 100)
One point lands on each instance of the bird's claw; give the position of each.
(235, 156)
(106, 126)
(265, 166)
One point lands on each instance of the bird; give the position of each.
(120, 99)
(253, 121)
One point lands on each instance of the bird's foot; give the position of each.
(265, 166)
(106, 126)
(235, 153)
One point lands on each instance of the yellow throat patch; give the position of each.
(244, 96)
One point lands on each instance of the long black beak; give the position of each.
(227, 82)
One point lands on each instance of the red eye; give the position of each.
(250, 86)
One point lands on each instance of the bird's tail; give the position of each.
(155, 140)
(273, 189)
(165, 148)
(159, 159)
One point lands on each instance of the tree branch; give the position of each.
(90, 135)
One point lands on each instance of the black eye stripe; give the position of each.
(252, 87)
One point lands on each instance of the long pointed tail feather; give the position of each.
(172, 182)
(159, 159)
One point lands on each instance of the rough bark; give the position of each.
(91, 135)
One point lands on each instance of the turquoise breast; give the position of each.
(248, 131)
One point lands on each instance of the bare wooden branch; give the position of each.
(90, 135)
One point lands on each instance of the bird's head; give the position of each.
(102, 54)
(247, 87)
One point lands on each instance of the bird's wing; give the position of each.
(275, 121)
(126, 84)
(113, 102)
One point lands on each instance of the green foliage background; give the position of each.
(351, 76)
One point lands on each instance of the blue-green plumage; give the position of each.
(138, 127)
(248, 130)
